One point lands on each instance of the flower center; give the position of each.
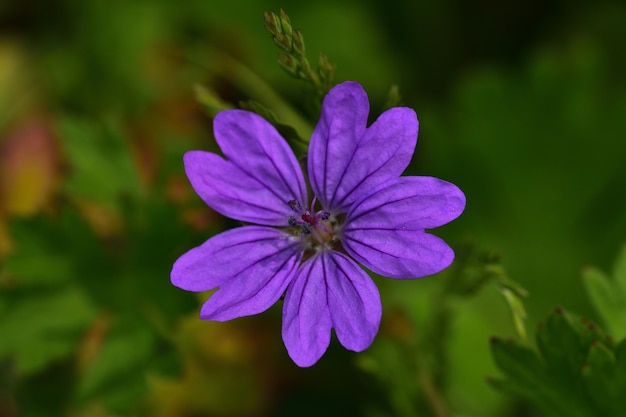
(317, 228)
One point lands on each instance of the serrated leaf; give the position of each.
(538, 396)
(44, 327)
(599, 375)
(562, 348)
(579, 372)
(608, 299)
(520, 363)
(527, 377)
(591, 333)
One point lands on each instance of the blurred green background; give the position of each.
(521, 103)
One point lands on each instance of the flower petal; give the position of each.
(342, 122)
(407, 203)
(398, 253)
(251, 265)
(345, 158)
(330, 290)
(385, 230)
(353, 300)
(306, 317)
(258, 177)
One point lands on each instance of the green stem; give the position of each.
(227, 67)
(433, 397)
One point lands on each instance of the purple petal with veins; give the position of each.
(330, 291)
(346, 159)
(258, 176)
(251, 265)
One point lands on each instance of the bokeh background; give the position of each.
(521, 103)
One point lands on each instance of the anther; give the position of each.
(295, 206)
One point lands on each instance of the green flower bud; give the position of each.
(298, 42)
(285, 23)
(283, 42)
(289, 63)
(272, 23)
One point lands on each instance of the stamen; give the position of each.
(315, 227)
(295, 206)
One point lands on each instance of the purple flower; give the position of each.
(309, 249)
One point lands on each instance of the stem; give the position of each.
(433, 396)
(428, 376)
(227, 67)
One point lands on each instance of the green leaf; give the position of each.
(518, 312)
(37, 259)
(608, 297)
(599, 373)
(387, 362)
(620, 367)
(528, 378)
(43, 327)
(102, 170)
(117, 376)
(518, 362)
(619, 271)
(49, 251)
(578, 372)
(562, 348)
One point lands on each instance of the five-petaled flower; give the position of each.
(306, 245)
